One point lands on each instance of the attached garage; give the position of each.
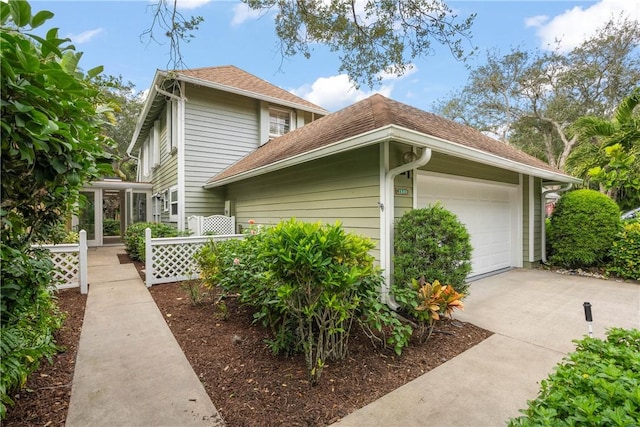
(490, 211)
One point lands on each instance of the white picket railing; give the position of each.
(70, 263)
(170, 259)
(214, 224)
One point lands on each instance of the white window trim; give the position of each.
(281, 111)
(174, 217)
(155, 145)
(172, 126)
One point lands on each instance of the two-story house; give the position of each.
(219, 140)
(195, 123)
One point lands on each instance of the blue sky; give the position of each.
(109, 34)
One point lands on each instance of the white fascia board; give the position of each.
(403, 135)
(145, 110)
(120, 185)
(250, 94)
(479, 156)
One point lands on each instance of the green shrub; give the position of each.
(597, 385)
(134, 237)
(319, 271)
(584, 225)
(432, 243)
(29, 318)
(308, 283)
(111, 227)
(427, 303)
(625, 252)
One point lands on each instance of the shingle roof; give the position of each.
(229, 75)
(367, 115)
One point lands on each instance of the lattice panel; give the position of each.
(66, 267)
(175, 261)
(218, 224)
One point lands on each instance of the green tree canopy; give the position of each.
(531, 99)
(608, 151)
(51, 140)
(125, 104)
(371, 37)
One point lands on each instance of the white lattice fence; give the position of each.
(171, 259)
(70, 264)
(212, 225)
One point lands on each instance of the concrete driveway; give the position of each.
(535, 316)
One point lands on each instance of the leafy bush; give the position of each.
(432, 243)
(52, 145)
(111, 227)
(427, 302)
(583, 227)
(29, 318)
(597, 385)
(625, 252)
(134, 237)
(308, 283)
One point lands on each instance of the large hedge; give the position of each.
(432, 243)
(625, 252)
(51, 146)
(582, 229)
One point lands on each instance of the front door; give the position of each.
(90, 218)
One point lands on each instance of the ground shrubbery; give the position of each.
(110, 227)
(585, 230)
(431, 243)
(625, 252)
(582, 229)
(134, 237)
(597, 385)
(51, 145)
(310, 283)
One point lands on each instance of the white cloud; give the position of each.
(573, 26)
(243, 13)
(336, 92)
(191, 4)
(535, 21)
(85, 36)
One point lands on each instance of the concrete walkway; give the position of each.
(130, 371)
(535, 316)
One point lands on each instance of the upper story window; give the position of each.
(279, 122)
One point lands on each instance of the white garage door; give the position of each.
(488, 211)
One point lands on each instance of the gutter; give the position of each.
(543, 237)
(386, 235)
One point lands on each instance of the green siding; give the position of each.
(443, 163)
(166, 174)
(344, 187)
(220, 128)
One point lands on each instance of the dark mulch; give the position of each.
(247, 383)
(252, 387)
(44, 400)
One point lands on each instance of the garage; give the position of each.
(488, 209)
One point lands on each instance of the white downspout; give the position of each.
(543, 237)
(388, 208)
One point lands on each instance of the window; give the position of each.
(173, 204)
(279, 122)
(172, 126)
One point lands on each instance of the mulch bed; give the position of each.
(252, 387)
(248, 384)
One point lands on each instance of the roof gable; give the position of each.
(226, 78)
(368, 115)
(233, 77)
